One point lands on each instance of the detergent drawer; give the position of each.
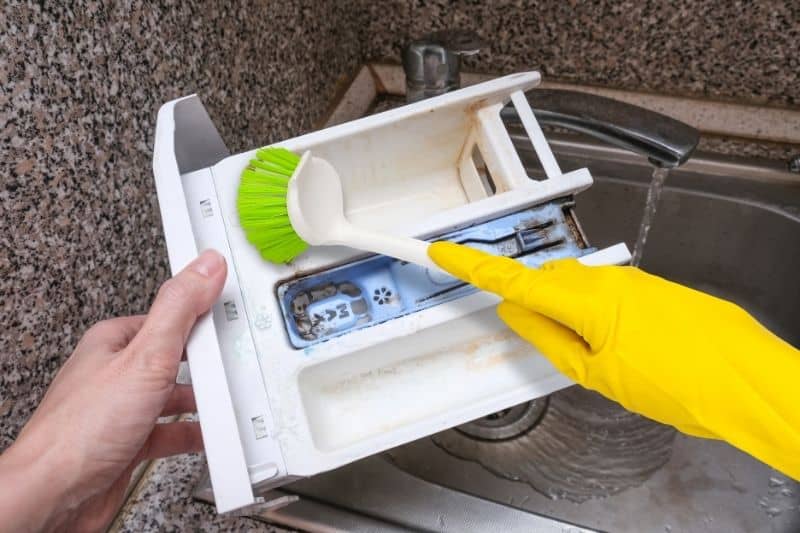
(304, 367)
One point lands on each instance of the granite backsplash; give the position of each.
(80, 233)
(738, 50)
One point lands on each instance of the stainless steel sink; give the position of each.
(730, 227)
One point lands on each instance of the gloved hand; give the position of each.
(663, 350)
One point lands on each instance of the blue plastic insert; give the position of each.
(319, 306)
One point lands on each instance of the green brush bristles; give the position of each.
(262, 205)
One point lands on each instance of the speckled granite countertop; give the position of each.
(80, 235)
(164, 503)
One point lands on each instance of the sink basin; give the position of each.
(730, 227)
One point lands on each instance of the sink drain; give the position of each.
(581, 446)
(508, 423)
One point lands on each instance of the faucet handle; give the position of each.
(433, 63)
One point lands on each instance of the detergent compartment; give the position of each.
(323, 305)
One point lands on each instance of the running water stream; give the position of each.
(653, 194)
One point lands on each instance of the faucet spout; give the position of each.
(666, 142)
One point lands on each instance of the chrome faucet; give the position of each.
(433, 66)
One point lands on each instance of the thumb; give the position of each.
(568, 352)
(179, 302)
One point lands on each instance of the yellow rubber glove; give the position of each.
(663, 350)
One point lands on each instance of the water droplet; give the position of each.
(772, 512)
(776, 482)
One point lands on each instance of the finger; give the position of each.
(113, 334)
(551, 290)
(180, 401)
(179, 302)
(568, 352)
(172, 439)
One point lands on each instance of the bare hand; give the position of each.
(72, 462)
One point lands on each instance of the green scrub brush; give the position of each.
(262, 205)
(287, 202)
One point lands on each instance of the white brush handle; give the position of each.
(405, 248)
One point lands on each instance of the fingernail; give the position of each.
(208, 264)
